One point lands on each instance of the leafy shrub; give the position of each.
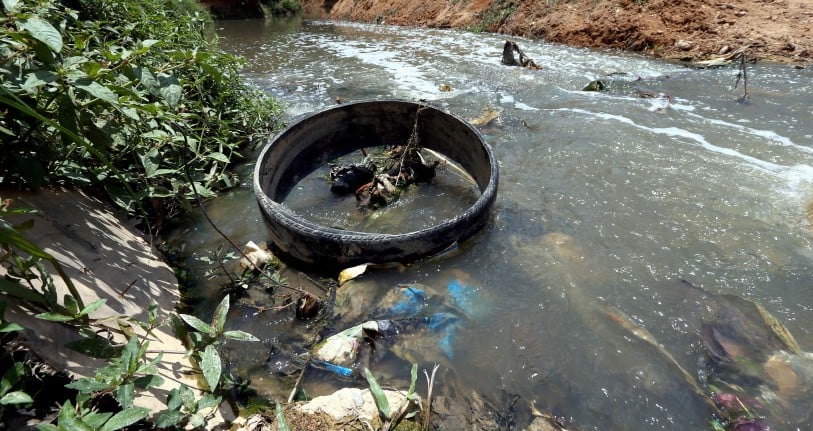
(282, 7)
(100, 93)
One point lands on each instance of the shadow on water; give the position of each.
(607, 200)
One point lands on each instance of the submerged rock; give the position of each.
(351, 404)
(256, 257)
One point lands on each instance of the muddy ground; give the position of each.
(687, 30)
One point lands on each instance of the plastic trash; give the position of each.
(413, 321)
(342, 348)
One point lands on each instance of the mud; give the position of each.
(690, 30)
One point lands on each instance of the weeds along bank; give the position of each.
(98, 94)
(130, 101)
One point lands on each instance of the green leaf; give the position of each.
(33, 81)
(130, 355)
(96, 419)
(131, 113)
(125, 395)
(174, 400)
(44, 32)
(240, 336)
(152, 313)
(150, 367)
(413, 379)
(211, 367)
(16, 397)
(147, 79)
(10, 327)
(146, 43)
(219, 317)
(54, 317)
(208, 400)
(170, 89)
(220, 157)
(281, 421)
(169, 418)
(11, 377)
(148, 381)
(10, 236)
(125, 418)
(96, 347)
(47, 427)
(198, 324)
(197, 420)
(88, 385)
(378, 394)
(17, 290)
(26, 225)
(71, 304)
(93, 306)
(97, 90)
(69, 421)
(151, 161)
(66, 111)
(182, 397)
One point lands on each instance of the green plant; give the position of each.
(390, 418)
(282, 7)
(77, 418)
(182, 406)
(13, 374)
(120, 378)
(494, 16)
(24, 264)
(89, 93)
(282, 423)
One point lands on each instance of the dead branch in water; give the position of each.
(743, 73)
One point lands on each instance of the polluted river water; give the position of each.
(627, 210)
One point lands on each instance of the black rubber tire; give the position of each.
(317, 138)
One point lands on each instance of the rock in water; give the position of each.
(256, 257)
(513, 56)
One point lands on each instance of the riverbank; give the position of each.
(691, 30)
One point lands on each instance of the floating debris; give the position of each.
(256, 258)
(376, 187)
(596, 85)
(488, 115)
(512, 55)
(758, 377)
(729, 58)
(347, 179)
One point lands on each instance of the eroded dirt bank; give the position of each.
(689, 30)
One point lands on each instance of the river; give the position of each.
(606, 199)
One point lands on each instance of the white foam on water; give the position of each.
(797, 177)
(767, 134)
(523, 107)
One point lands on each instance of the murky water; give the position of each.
(411, 208)
(605, 199)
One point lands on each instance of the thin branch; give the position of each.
(299, 380)
(234, 245)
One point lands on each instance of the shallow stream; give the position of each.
(606, 199)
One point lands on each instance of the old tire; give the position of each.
(313, 140)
